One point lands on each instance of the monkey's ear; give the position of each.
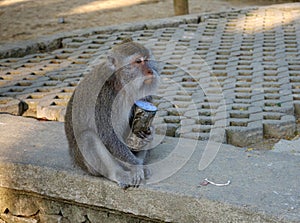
(111, 62)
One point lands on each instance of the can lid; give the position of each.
(145, 105)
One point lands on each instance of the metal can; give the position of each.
(143, 115)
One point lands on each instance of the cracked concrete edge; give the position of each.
(164, 205)
(23, 48)
(55, 41)
(52, 42)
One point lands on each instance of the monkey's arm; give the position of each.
(120, 150)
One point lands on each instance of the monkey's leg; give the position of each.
(141, 155)
(99, 161)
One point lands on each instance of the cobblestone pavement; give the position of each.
(237, 72)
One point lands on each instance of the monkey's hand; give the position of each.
(147, 135)
(132, 178)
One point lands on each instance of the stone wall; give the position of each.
(23, 207)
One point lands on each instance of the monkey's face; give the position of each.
(140, 75)
(135, 72)
(147, 69)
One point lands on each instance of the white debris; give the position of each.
(217, 184)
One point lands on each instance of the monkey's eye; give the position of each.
(139, 60)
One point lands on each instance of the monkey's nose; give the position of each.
(149, 76)
(149, 72)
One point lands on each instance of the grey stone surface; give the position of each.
(264, 185)
(288, 146)
(237, 69)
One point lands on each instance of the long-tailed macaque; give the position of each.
(98, 114)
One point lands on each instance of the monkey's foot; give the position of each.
(132, 178)
(123, 185)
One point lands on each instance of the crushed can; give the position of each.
(143, 115)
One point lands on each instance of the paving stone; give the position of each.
(11, 106)
(245, 62)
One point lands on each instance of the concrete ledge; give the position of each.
(37, 180)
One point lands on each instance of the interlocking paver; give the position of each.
(238, 71)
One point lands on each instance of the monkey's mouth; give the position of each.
(149, 80)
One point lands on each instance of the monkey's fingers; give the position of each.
(145, 135)
(147, 173)
(137, 176)
(124, 186)
(141, 135)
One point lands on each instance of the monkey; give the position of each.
(98, 114)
